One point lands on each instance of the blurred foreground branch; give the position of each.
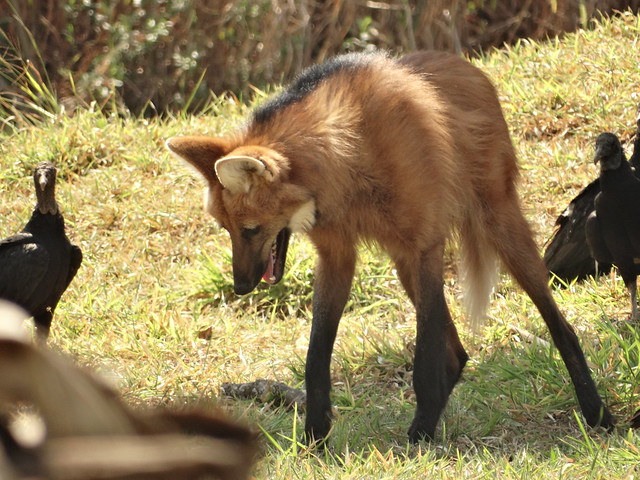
(89, 433)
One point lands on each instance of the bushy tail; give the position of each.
(478, 272)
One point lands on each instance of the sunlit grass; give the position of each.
(152, 306)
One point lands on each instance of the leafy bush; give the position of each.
(157, 55)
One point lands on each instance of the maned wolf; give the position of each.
(402, 153)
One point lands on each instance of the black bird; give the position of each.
(613, 229)
(634, 421)
(567, 255)
(38, 264)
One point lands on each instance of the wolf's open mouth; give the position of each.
(277, 257)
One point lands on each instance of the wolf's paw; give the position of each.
(421, 430)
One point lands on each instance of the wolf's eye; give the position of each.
(248, 232)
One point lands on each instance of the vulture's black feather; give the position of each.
(635, 420)
(38, 264)
(567, 254)
(613, 229)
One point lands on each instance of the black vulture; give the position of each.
(613, 229)
(567, 255)
(38, 264)
(635, 420)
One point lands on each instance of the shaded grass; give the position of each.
(152, 306)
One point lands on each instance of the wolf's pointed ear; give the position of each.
(237, 173)
(200, 152)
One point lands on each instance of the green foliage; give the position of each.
(31, 100)
(152, 305)
(151, 57)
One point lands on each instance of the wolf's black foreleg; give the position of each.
(331, 290)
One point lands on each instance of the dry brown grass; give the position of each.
(152, 56)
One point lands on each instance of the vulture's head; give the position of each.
(609, 152)
(44, 178)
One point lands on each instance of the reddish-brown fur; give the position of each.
(403, 154)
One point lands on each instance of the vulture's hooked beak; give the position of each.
(42, 181)
(596, 157)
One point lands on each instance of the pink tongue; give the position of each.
(268, 275)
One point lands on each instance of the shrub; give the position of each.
(157, 55)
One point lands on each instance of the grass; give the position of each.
(153, 310)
